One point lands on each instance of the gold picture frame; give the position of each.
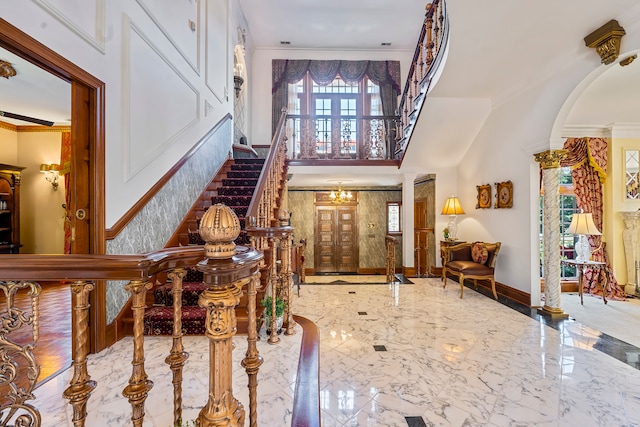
(504, 195)
(484, 196)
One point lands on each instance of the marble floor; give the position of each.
(398, 355)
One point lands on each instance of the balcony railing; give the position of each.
(334, 137)
(426, 61)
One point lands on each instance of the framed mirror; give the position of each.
(631, 167)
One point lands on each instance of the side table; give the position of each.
(581, 266)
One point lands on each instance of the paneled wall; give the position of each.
(371, 223)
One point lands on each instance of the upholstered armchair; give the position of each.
(471, 261)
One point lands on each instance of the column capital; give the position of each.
(550, 159)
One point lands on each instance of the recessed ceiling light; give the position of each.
(385, 44)
(285, 42)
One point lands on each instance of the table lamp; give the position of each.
(453, 209)
(582, 225)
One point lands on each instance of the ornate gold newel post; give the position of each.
(550, 162)
(81, 385)
(139, 385)
(226, 270)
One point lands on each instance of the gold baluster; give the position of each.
(177, 357)
(139, 385)
(273, 279)
(287, 283)
(81, 385)
(252, 360)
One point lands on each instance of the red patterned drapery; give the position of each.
(587, 158)
(65, 172)
(385, 74)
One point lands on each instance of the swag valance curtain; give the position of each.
(587, 158)
(385, 74)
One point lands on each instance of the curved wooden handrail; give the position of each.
(432, 42)
(263, 179)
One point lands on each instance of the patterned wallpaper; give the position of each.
(371, 211)
(156, 222)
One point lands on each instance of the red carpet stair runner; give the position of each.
(236, 192)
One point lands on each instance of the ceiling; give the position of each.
(475, 78)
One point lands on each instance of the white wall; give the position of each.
(8, 146)
(166, 85)
(41, 211)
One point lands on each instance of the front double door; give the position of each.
(336, 239)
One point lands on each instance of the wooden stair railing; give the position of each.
(426, 61)
(224, 277)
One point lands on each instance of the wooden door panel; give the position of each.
(336, 246)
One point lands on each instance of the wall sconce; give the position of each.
(238, 80)
(51, 173)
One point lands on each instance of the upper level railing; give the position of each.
(334, 137)
(262, 211)
(426, 61)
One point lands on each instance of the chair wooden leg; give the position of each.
(461, 281)
(444, 278)
(493, 287)
(475, 284)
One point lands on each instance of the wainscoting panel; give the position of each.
(158, 105)
(180, 24)
(217, 64)
(85, 18)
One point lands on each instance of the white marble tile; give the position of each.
(454, 362)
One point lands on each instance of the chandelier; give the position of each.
(340, 196)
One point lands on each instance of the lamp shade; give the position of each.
(452, 207)
(582, 223)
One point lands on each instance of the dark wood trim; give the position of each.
(408, 271)
(261, 146)
(565, 285)
(372, 271)
(88, 118)
(306, 400)
(112, 232)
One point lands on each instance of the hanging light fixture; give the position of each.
(340, 196)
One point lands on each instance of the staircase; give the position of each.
(233, 186)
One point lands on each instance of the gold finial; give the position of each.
(219, 227)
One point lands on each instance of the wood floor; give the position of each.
(53, 349)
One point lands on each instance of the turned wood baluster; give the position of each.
(81, 385)
(252, 360)
(139, 385)
(273, 336)
(437, 26)
(429, 44)
(177, 357)
(287, 283)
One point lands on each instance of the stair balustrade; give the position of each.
(225, 278)
(426, 62)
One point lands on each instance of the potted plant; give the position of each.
(267, 303)
(446, 233)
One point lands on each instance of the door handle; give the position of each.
(81, 214)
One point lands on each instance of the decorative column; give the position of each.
(550, 162)
(631, 250)
(286, 274)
